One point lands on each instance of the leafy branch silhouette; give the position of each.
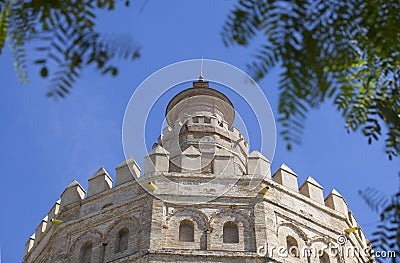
(343, 51)
(66, 40)
(387, 236)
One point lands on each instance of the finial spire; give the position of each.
(201, 78)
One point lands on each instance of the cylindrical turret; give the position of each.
(202, 117)
(200, 100)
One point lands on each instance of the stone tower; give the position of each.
(195, 202)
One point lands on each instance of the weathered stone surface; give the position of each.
(29, 244)
(54, 210)
(127, 171)
(286, 177)
(156, 161)
(335, 201)
(40, 229)
(224, 162)
(312, 189)
(99, 182)
(190, 160)
(128, 224)
(258, 165)
(72, 194)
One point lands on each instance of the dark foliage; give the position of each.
(387, 236)
(347, 52)
(65, 38)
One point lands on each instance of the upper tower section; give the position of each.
(200, 100)
(200, 133)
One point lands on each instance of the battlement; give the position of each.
(286, 177)
(201, 159)
(313, 191)
(209, 126)
(74, 194)
(157, 162)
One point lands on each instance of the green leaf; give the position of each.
(44, 72)
(40, 61)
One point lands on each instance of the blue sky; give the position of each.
(46, 144)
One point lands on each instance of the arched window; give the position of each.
(122, 240)
(230, 232)
(86, 252)
(186, 231)
(324, 258)
(292, 246)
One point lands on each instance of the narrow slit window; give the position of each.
(230, 232)
(122, 240)
(186, 231)
(324, 258)
(292, 246)
(86, 252)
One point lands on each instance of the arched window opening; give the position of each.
(324, 258)
(122, 240)
(230, 232)
(292, 246)
(86, 252)
(186, 231)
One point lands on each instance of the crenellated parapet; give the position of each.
(72, 194)
(201, 159)
(99, 182)
(224, 163)
(336, 201)
(29, 244)
(41, 228)
(311, 189)
(54, 210)
(189, 160)
(208, 135)
(258, 165)
(286, 177)
(127, 171)
(75, 202)
(156, 161)
(309, 202)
